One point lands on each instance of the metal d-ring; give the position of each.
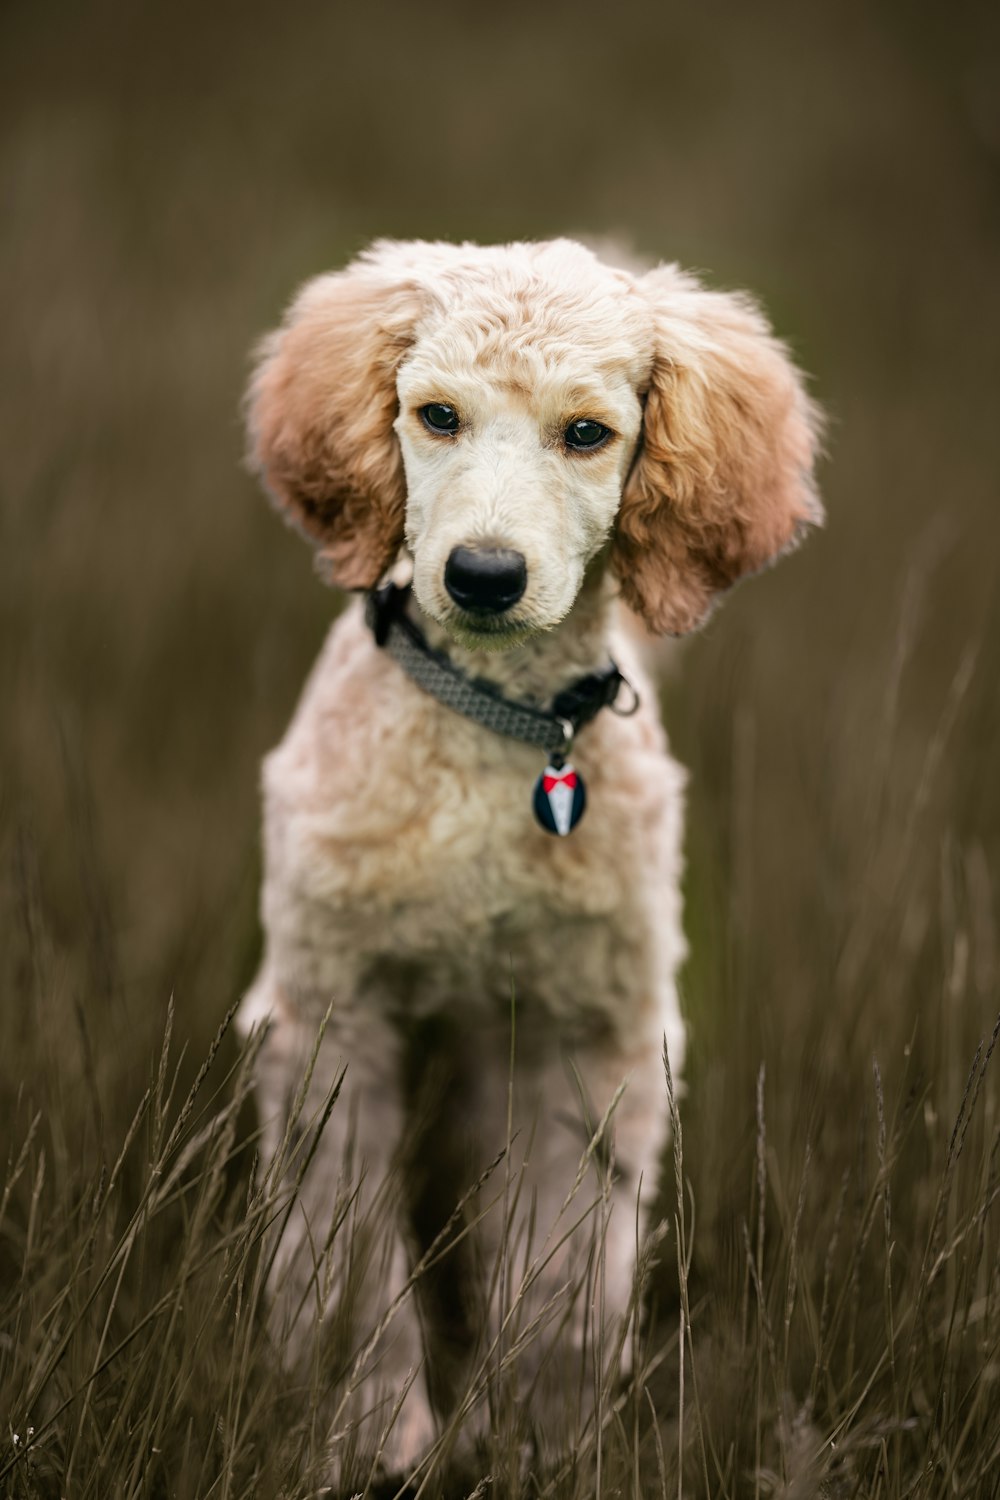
(626, 713)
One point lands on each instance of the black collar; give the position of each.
(480, 701)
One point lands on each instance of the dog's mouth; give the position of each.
(481, 630)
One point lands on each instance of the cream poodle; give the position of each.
(473, 825)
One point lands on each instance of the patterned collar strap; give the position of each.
(480, 701)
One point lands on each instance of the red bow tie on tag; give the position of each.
(560, 797)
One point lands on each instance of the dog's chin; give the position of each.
(488, 632)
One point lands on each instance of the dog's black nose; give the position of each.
(485, 578)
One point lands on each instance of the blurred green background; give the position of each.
(170, 173)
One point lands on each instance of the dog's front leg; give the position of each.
(341, 1305)
(558, 1241)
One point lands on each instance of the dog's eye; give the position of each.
(439, 418)
(586, 434)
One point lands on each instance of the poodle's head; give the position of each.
(515, 415)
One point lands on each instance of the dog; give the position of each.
(472, 828)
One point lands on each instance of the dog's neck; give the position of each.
(535, 672)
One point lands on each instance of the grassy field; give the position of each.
(823, 1314)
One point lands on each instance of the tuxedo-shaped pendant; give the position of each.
(560, 797)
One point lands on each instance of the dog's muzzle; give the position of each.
(486, 579)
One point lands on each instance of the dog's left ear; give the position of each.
(320, 410)
(722, 479)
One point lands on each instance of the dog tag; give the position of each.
(560, 797)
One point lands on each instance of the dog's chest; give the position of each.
(396, 828)
(443, 825)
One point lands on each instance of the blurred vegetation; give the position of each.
(168, 174)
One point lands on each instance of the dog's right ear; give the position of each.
(320, 409)
(722, 482)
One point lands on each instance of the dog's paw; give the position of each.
(380, 1442)
(411, 1435)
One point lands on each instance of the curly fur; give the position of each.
(722, 482)
(405, 880)
(330, 461)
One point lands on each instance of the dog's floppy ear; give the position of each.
(722, 479)
(320, 410)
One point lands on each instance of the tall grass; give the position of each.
(848, 1346)
(137, 1357)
